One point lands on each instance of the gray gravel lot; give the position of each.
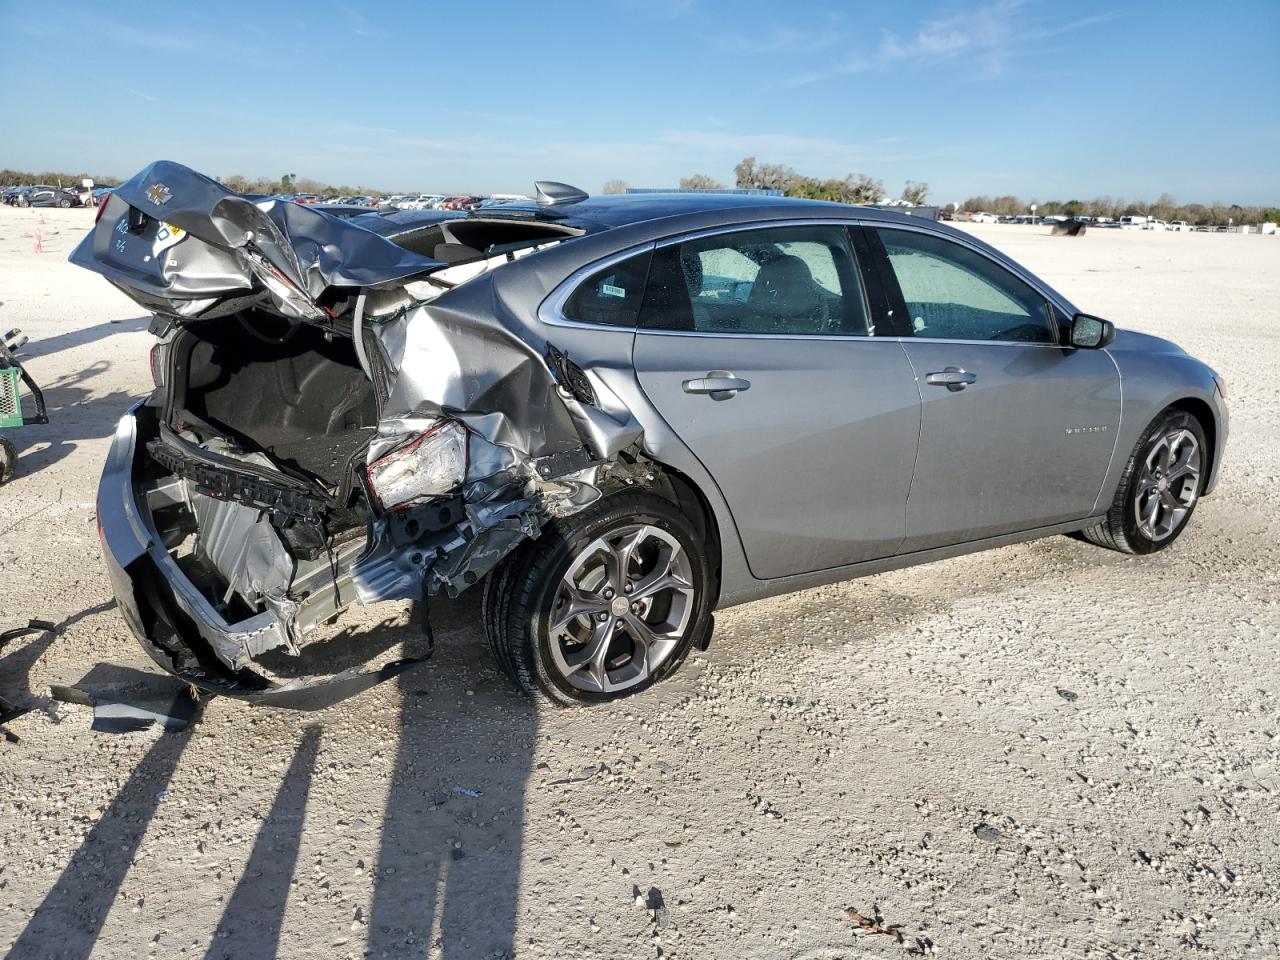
(1048, 750)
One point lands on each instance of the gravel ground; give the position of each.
(1048, 750)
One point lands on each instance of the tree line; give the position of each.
(1163, 208)
(860, 188)
(19, 178)
(852, 188)
(750, 175)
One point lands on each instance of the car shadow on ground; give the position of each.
(76, 413)
(445, 862)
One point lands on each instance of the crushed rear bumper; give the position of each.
(175, 622)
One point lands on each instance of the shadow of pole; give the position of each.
(251, 922)
(68, 921)
(448, 863)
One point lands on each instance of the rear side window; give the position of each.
(610, 296)
(954, 293)
(779, 280)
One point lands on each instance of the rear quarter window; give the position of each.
(611, 296)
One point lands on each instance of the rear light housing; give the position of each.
(157, 364)
(432, 465)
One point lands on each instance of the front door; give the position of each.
(1016, 431)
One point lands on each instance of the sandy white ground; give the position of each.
(1045, 751)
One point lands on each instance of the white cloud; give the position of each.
(989, 36)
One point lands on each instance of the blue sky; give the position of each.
(1039, 98)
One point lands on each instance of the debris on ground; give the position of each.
(875, 924)
(125, 701)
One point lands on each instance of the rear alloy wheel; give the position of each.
(603, 604)
(64, 203)
(1159, 489)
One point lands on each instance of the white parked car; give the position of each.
(1133, 223)
(983, 218)
(1154, 224)
(1180, 226)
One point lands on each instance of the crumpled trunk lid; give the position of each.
(181, 244)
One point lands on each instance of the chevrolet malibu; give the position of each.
(612, 415)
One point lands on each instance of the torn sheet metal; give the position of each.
(187, 246)
(439, 342)
(136, 702)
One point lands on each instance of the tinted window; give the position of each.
(612, 295)
(954, 293)
(784, 280)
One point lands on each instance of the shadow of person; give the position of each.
(448, 864)
(67, 922)
(250, 924)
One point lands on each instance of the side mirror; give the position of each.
(1091, 333)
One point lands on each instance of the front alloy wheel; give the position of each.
(1159, 488)
(1168, 484)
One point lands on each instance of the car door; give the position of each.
(1016, 431)
(755, 346)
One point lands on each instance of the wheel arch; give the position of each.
(675, 485)
(1208, 421)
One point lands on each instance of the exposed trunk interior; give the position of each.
(286, 390)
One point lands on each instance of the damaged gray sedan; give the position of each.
(614, 415)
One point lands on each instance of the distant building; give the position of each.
(743, 191)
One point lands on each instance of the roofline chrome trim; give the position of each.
(551, 310)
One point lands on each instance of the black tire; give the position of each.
(519, 595)
(1121, 530)
(8, 459)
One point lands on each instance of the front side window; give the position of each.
(610, 296)
(777, 280)
(954, 293)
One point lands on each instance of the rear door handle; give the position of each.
(953, 378)
(718, 384)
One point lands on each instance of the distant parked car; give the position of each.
(1154, 224)
(46, 196)
(1180, 226)
(983, 218)
(1133, 223)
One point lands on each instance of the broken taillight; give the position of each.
(433, 465)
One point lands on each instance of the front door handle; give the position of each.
(953, 378)
(718, 384)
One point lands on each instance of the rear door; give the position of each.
(755, 345)
(1016, 431)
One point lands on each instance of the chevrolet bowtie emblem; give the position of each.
(159, 194)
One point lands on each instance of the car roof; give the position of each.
(602, 214)
(620, 210)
